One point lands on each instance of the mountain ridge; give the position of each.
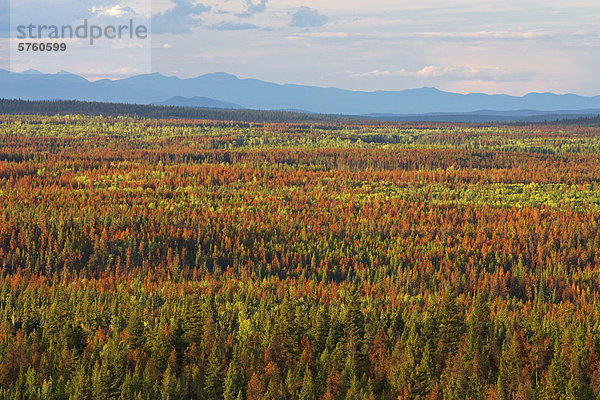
(198, 102)
(251, 93)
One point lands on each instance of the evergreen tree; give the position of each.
(308, 390)
(54, 327)
(354, 330)
(81, 384)
(213, 386)
(169, 388)
(110, 374)
(177, 341)
(32, 389)
(194, 321)
(321, 329)
(76, 338)
(509, 372)
(136, 330)
(451, 322)
(424, 373)
(233, 381)
(255, 390)
(286, 333)
(557, 378)
(452, 391)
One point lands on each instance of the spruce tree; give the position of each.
(81, 384)
(557, 377)
(308, 390)
(233, 381)
(286, 332)
(168, 389)
(354, 330)
(136, 330)
(451, 322)
(213, 385)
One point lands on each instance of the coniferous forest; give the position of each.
(197, 259)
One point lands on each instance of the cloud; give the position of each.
(114, 11)
(453, 73)
(461, 73)
(377, 73)
(180, 19)
(487, 35)
(233, 26)
(253, 7)
(327, 35)
(306, 17)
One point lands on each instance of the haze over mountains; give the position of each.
(221, 90)
(198, 102)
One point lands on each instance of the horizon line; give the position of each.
(98, 79)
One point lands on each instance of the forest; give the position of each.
(204, 259)
(66, 107)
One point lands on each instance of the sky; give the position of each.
(512, 47)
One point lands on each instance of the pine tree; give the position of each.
(255, 390)
(31, 379)
(354, 330)
(20, 386)
(136, 330)
(233, 381)
(81, 384)
(321, 329)
(571, 390)
(286, 333)
(424, 373)
(452, 391)
(451, 322)
(97, 383)
(213, 385)
(557, 378)
(177, 341)
(477, 341)
(509, 372)
(149, 391)
(168, 389)
(76, 338)
(48, 390)
(55, 322)
(108, 377)
(308, 390)
(353, 392)
(194, 321)
(354, 324)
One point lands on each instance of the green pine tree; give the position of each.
(451, 323)
(81, 384)
(308, 390)
(213, 385)
(509, 372)
(452, 391)
(557, 378)
(168, 390)
(233, 382)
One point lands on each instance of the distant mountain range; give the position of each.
(198, 102)
(221, 90)
(482, 116)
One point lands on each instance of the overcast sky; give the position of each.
(508, 46)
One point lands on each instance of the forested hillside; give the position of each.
(65, 107)
(181, 259)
